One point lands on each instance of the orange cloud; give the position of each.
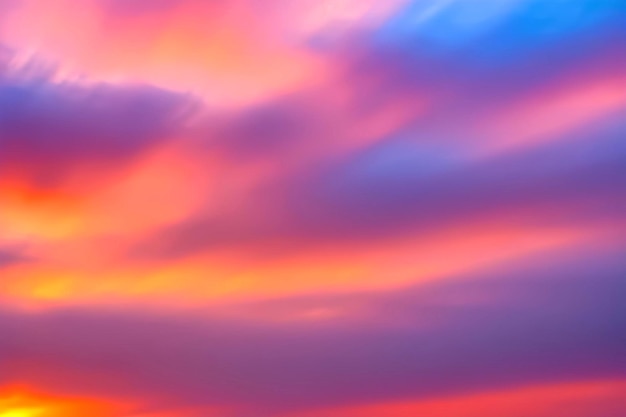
(233, 273)
(582, 399)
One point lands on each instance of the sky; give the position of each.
(312, 208)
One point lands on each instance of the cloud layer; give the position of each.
(312, 208)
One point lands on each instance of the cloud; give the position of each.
(406, 137)
(199, 46)
(12, 255)
(51, 130)
(400, 188)
(364, 201)
(549, 321)
(361, 194)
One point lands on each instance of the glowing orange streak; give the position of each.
(27, 211)
(583, 399)
(136, 199)
(227, 273)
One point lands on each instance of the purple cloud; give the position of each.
(50, 129)
(549, 319)
(400, 187)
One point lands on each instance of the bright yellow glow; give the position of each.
(29, 402)
(22, 412)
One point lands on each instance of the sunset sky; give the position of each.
(312, 208)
